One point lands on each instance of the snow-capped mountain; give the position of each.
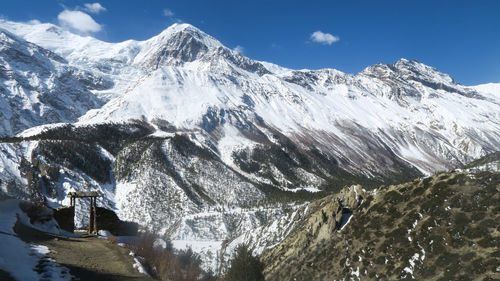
(183, 67)
(37, 87)
(407, 109)
(192, 138)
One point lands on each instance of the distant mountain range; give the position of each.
(196, 141)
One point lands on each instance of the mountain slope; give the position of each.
(443, 227)
(38, 87)
(412, 111)
(407, 110)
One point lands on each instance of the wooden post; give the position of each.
(95, 215)
(91, 219)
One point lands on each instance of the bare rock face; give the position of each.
(335, 212)
(325, 219)
(108, 220)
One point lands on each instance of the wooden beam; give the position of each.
(84, 194)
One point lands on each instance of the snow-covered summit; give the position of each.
(185, 28)
(177, 44)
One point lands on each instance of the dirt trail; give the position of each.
(87, 258)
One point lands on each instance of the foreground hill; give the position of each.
(442, 227)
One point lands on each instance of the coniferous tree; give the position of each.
(245, 266)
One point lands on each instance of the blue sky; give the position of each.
(458, 37)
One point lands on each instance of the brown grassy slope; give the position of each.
(445, 227)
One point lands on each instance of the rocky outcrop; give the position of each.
(108, 220)
(325, 220)
(333, 213)
(65, 217)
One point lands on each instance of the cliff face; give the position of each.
(443, 227)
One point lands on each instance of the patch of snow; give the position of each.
(160, 243)
(493, 166)
(104, 233)
(346, 218)
(409, 269)
(356, 272)
(9, 211)
(20, 259)
(39, 129)
(162, 134)
(138, 265)
(16, 257)
(311, 189)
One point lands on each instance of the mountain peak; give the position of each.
(408, 70)
(402, 62)
(177, 27)
(403, 65)
(177, 44)
(187, 30)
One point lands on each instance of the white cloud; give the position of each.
(94, 8)
(324, 38)
(168, 13)
(79, 21)
(34, 22)
(239, 49)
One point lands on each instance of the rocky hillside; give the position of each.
(442, 227)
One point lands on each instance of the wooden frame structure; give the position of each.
(93, 207)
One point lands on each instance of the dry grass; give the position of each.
(112, 239)
(165, 263)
